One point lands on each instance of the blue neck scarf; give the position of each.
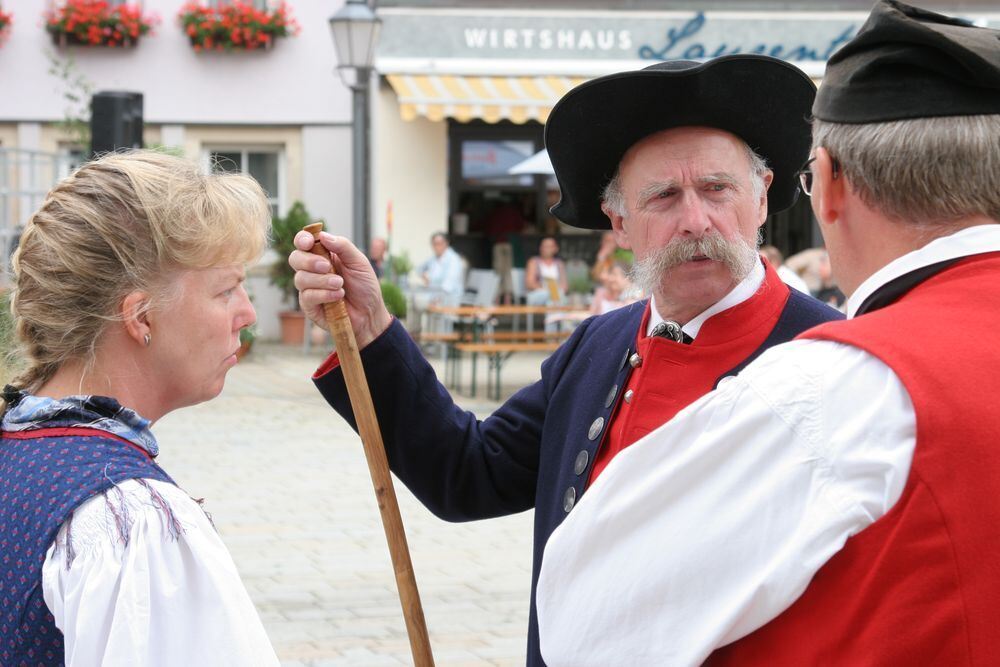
(26, 412)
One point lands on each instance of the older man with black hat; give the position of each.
(689, 157)
(844, 506)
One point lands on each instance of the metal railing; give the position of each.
(26, 176)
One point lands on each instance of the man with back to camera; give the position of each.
(835, 503)
(683, 161)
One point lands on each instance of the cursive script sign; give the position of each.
(683, 43)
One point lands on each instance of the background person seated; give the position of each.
(617, 290)
(605, 257)
(444, 273)
(444, 280)
(545, 275)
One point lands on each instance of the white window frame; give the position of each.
(67, 162)
(281, 198)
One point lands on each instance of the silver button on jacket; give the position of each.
(569, 499)
(595, 428)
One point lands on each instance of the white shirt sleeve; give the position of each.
(166, 597)
(452, 281)
(715, 523)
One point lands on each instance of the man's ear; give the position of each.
(829, 187)
(768, 178)
(135, 316)
(617, 227)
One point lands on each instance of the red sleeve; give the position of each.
(329, 364)
(332, 362)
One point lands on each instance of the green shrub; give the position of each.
(283, 231)
(395, 301)
(624, 256)
(248, 334)
(400, 265)
(580, 284)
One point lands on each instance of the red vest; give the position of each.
(920, 586)
(674, 375)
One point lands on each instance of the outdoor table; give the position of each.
(478, 316)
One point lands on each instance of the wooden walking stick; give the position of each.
(371, 438)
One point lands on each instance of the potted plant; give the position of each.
(97, 23)
(283, 231)
(247, 336)
(395, 300)
(399, 269)
(235, 25)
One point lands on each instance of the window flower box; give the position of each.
(235, 26)
(96, 23)
(5, 21)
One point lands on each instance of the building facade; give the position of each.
(281, 114)
(459, 98)
(463, 94)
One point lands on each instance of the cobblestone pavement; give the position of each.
(286, 482)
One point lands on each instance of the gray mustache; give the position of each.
(713, 246)
(737, 254)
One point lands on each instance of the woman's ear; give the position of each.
(134, 314)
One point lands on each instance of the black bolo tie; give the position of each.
(671, 331)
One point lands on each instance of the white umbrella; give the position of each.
(539, 163)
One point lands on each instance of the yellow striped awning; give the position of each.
(490, 98)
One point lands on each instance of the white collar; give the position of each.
(743, 291)
(969, 241)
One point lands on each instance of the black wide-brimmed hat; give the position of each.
(906, 63)
(764, 101)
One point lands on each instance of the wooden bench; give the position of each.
(497, 354)
(493, 336)
(525, 336)
(451, 338)
(439, 337)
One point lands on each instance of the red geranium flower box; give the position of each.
(5, 19)
(96, 23)
(236, 25)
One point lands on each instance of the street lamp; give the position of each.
(355, 31)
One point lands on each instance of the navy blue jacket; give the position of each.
(524, 454)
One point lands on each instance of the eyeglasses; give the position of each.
(806, 176)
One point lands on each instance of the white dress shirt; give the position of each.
(445, 274)
(164, 597)
(745, 289)
(715, 523)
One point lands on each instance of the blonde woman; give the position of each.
(128, 302)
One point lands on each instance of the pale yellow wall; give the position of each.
(196, 137)
(151, 135)
(8, 135)
(53, 136)
(409, 167)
